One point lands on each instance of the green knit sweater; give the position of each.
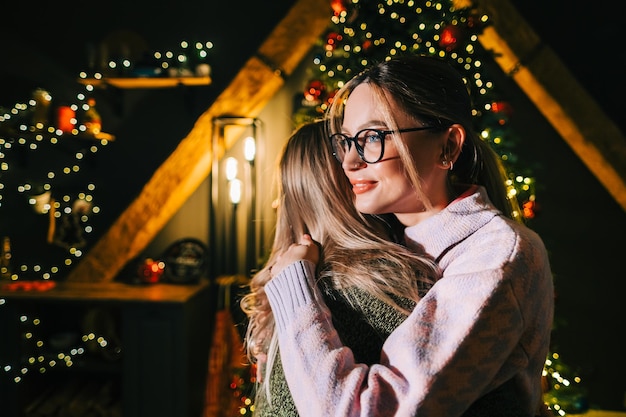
(363, 325)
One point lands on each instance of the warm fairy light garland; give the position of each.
(42, 358)
(31, 135)
(166, 63)
(26, 133)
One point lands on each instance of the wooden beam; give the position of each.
(189, 165)
(567, 106)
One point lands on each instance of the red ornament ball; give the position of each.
(314, 91)
(502, 107)
(332, 39)
(150, 271)
(529, 209)
(451, 36)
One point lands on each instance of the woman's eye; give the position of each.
(372, 137)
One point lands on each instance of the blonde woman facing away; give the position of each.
(369, 283)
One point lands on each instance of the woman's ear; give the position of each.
(452, 146)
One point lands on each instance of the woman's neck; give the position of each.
(437, 204)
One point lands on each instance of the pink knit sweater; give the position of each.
(485, 324)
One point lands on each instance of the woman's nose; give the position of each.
(352, 160)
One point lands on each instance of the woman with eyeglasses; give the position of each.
(476, 343)
(369, 283)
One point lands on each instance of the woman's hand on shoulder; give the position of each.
(306, 249)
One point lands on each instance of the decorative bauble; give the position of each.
(367, 45)
(528, 209)
(150, 271)
(451, 36)
(332, 39)
(502, 107)
(314, 90)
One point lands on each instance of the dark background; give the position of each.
(46, 44)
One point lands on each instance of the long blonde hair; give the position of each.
(429, 90)
(315, 197)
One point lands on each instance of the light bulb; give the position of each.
(234, 191)
(249, 149)
(231, 168)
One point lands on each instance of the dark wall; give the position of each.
(587, 39)
(580, 224)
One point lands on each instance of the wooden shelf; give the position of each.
(108, 291)
(146, 82)
(163, 332)
(81, 136)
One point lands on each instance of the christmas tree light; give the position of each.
(31, 133)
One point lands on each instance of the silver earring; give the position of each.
(445, 163)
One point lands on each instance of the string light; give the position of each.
(42, 356)
(27, 130)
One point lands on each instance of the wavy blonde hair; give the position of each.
(315, 197)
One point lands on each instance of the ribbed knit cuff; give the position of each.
(289, 290)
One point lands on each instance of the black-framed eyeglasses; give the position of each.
(369, 143)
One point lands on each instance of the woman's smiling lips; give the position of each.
(362, 186)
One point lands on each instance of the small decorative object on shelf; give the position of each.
(41, 109)
(5, 261)
(91, 118)
(151, 271)
(203, 70)
(186, 261)
(66, 119)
